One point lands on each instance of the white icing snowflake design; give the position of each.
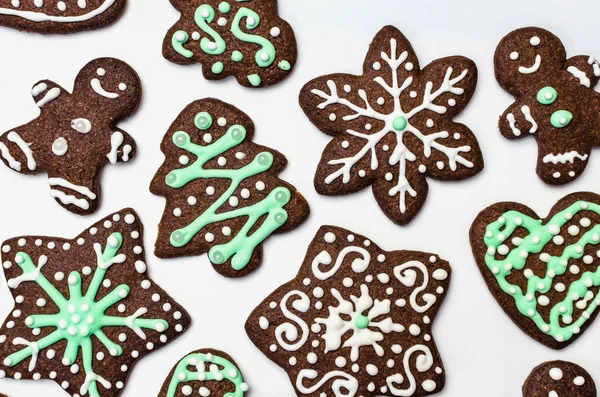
(355, 312)
(393, 125)
(85, 308)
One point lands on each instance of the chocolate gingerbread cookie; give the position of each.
(544, 272)
(559, 379)
(85, 309)
(356, 320)
(223, 193)
(555, 101)
(63, 16)
(246, 39)
(76, 134)
(392, 126)
(210, 372)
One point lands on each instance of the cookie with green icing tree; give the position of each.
(543, 271)
(555, 101)
(223, 193)
(246, 39)
(85, 309)
(393, 126)
(205, 372)
(559, 379)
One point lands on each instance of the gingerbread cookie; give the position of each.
(210, 372)
(222, 190)
(555, 101)
(246, 39)
(64, 16)
(356, 320)
(544, 273)
(392, 126)
(85, 309)
(76, 134)
(559, 379)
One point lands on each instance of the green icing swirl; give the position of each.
(266, 55)
(242, 246)
(219, 369)
(561, 325)
(178, 40)
(204, 15)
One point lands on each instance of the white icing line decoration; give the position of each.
(511, 122)
(42, 17)
(49, 97)
(527, 113)
(580, 75)
(116, 140)
(563, 158)
(12, 163)
(70, 199)
(15, 138)
(97, 87)
(533, 68)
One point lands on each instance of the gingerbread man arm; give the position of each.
(122, 147)
(47, 94)
(584, 69)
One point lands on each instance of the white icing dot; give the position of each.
(556, 373)
(514, 55)
(275, 32)
(192, 200)
(376, 66)
(329, 237)
(535, 41)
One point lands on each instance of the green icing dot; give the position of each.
(547, 96)
(284, 65)
(361, 321)
(224, 7)
(217, 67)
(400, 123)
(203, 120)
(254, 79)
(561, 118)
(237, 56)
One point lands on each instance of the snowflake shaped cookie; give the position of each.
(544, 273)
(76, 134)
(85, 310)
(245, 39)
(356, 320)
(393, 125)
(555, 101)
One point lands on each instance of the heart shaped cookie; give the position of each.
(544, 273)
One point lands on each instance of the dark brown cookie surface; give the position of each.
(545, 272)
(63, 16)
(85, 309)
(246, 39)
(76, 134)
(223, 193)
(392, 126)
(559, 379)
(207, 372)
(555, 101)
(356, 320)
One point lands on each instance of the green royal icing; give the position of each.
(547, 96)
(80, 316)
(266, 55)
(242, 246)
(204, 15)
(561, 118)
(224, 371)
(237, 56)
(217, 67)
(178, 40)
(561, 325)
(284, 65)
(224, 7)
(254, 79)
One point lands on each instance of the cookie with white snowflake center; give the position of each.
(356, 320)
(559, 379)
(211, 372)
(85, 309)
(544, 272)
(393, 127)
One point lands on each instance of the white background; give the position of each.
(483, 352)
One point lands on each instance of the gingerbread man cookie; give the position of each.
(63, 16)
(246, 39)
(76, 134)
(356, 320)
(210, 372)
(544, 272)
(559, 379)
(555, 101)
(85, 309)
(392, 126)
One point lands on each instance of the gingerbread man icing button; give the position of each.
(555, 101)
(559, 379)
(63, 16)
(76, 134)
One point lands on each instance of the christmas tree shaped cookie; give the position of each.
(85, 309)
(222, 190)
(246, 39)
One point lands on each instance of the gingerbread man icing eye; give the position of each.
(555, 101)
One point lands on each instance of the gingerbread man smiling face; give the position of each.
(555, 101)
(76, 134)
